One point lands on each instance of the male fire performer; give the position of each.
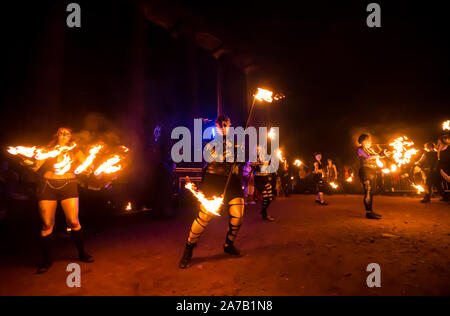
(263, 183)
(318, 176)
(428, 164)
(367, 172)
(213, 184)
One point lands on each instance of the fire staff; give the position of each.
(367, 172)
(213, 184)
(59, 184)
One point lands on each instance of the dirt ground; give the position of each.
(311, 250)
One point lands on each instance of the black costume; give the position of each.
(263, 183)
(367, 174)
(428, 164)
(213, 184)
(58, 190)
(319, 181)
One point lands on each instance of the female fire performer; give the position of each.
(319, 174)
(54, 187)
(367, 172)
(263, 183)
(213, 184)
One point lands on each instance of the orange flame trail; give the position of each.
(89, 160)
(212, 206)
(21, 150)
(63, 166)
(109, 166)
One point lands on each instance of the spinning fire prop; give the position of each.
(65, 162)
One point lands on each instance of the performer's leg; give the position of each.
(267, 199)
(47, 210)
(428, 187)
(236, 217)
(71, 211)
(368, 199)
(197, 229)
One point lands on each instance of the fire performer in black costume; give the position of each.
(263, 183)
(367, 173)
(318, 176)
(213, 184)
(59, 187)
(428, 164)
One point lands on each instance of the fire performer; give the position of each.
(318, 176)
(263, 183)
(367, 172)
(213, 183)
(59, 186)
(428, 164)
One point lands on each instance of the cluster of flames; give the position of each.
(109, 165)
(267, 96)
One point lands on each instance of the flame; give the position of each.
(272, 134)
(394, 168)
(298, 163)
(129, 207)
(334, 185)
(89, 160)
(21, 150)
(264, 95)
(403, 152)
(446, 126)
(212, 206)
(350, 179)
(42, 154)
(380, 163)
(419, 188)
(386, 171)
(63, 166)
(280, 155)
(109, 166)
(125, 149)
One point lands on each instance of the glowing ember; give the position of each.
(264, 95)
(129, 207)
(334, 185)
(419, 188)
(402, 152)
(272, 134)
(89, 160)
(297, 163)
(21, 150)
(63, 166)
(109, 166)
(125, 149)
(212, 206)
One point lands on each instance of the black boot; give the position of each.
(46, 260)
(187, 256)
(426, 199)
(230, 249)
(77, 237)
(373, 215)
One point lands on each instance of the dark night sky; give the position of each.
(340, 77)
